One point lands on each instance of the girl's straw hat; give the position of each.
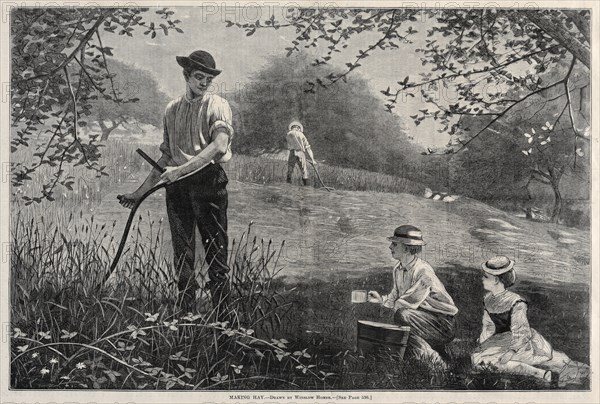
(498, 265)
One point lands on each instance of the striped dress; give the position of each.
(506, 328)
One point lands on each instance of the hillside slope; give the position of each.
(343, 233)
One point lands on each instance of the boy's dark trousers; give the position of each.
(435, 329)
(200, 201)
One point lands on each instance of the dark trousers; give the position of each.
(297, 157)
(200, 201)
(435, 329)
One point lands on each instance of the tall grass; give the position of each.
(269, 171)
(68, 333)
(124, 165)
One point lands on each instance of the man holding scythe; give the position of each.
(197, 138)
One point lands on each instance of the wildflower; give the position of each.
(112, 375)
(187, 372)
(192, 317)
(34, 355)
(124, 347)
(304, 368)
(17, 333)
(228, 332)
(80, 365)
(280, 343)
(219, 378)
(178, 357)
(44, 371)
(547, 126)
(44, 334)
(139, 361)
(22, 348)
(302, 353)
(172, 325)
(53, 361)
(281, 354)
(135, 331)
(67, 335)
(218, 324)
(586, 131)
(237, 369)
(248, 331)
(151, 317)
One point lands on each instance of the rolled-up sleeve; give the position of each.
(164, 146)
(220, 117)
(415, 295)
(305, 143)
(389, 300)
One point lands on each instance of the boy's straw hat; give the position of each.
(498, 265)
(407, 234)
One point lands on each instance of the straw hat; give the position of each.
(296, 123)
(407, 234)
(498, 265)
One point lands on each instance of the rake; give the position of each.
(329, 189)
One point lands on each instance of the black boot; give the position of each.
(304, 181)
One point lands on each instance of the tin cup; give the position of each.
(359, 296)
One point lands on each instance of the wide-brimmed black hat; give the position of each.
(407, 234)
(199, 60)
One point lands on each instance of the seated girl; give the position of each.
(507, 341)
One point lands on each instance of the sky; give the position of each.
(240, 56)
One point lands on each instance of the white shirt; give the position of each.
(190, 124)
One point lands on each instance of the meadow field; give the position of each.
(293, 325)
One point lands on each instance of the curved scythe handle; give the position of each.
(113, 265)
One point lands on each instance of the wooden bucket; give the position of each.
(378, 338)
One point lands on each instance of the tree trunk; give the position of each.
(107, 130)
(560, 34)
(558, 202)
(580, 22)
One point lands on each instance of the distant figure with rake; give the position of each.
(299, 147)
(197, 138)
